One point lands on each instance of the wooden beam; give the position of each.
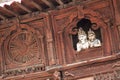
(23, 7)
(60, 2)
(2, 17)
(36, 5)
(9, 11)
(48, 3)
(73, 0)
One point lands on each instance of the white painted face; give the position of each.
(91, 37)
(82, 38)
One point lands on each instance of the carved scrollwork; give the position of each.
(30, 69)
(22, 45)
(106, 76)
(113, 75)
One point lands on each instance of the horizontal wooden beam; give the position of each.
(48, 3)
(23, 7)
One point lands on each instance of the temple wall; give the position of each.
(39, 45)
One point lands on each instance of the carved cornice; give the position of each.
(25, 70)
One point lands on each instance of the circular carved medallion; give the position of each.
(23, 46)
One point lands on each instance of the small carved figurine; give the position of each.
(83, 42)
(93, 42)
(56, 75)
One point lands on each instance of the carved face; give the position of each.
(91, 37)
(82, 38)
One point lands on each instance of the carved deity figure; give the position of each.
(83, 42)
(56, 75)
(93, 42)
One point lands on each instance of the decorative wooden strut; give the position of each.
(36, 5)
(60, 2)
(48, 3)
(73, 0)
(2, 17)
(9, 11)
(23, 7)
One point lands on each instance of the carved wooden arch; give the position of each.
(32, 39)
(94, 18)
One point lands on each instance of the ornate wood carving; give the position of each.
(60, 22)
(99, 71)
(56, 75)
(41, 40)
(63, 24)
(114, 74)
(22, 71)
(27, 46)
(23, 46)
(105, 76)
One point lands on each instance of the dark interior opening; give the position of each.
(85, 24)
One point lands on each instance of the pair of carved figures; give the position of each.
(87, 41)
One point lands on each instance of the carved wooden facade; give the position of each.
(39, 45)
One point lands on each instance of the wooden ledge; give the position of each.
(84, 63)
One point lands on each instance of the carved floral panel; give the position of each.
(23, 46)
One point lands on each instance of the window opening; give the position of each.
(87, 36)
